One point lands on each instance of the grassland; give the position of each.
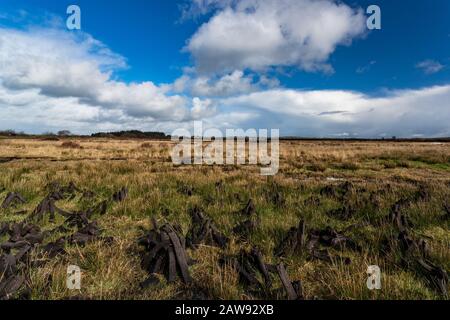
(380, 173)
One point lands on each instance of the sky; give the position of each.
(310, 68)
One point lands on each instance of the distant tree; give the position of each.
(64, 133)
(12, 133)
(48, 133)
(8, 132)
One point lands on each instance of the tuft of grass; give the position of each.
(71, 145)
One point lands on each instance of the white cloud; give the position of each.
(62, 65)
(430, 66)
(326, 112)
(202, 108)
(258, 34)
(52, 80)
(230, 84)
(30, 111)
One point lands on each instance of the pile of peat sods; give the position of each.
(204, 231)
(165, 253)
(407, 249)
(165, 250)
(328, 245)
(414, 250)
(257, 277)
(315, 243)
(24, 245)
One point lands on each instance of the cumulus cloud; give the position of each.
(230, 84)
(257, 34)
(52, 80)
(202, 108)
(404, 113)
(65, 65)
(30, 111)
(430, 66)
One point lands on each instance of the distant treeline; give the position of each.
(136, 134)
(11, 133)
(131, 134)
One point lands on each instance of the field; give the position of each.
(389, 200)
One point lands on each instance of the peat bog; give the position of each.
(143, 228)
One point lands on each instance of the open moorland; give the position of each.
(140, 227)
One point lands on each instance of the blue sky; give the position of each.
(159, 65)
